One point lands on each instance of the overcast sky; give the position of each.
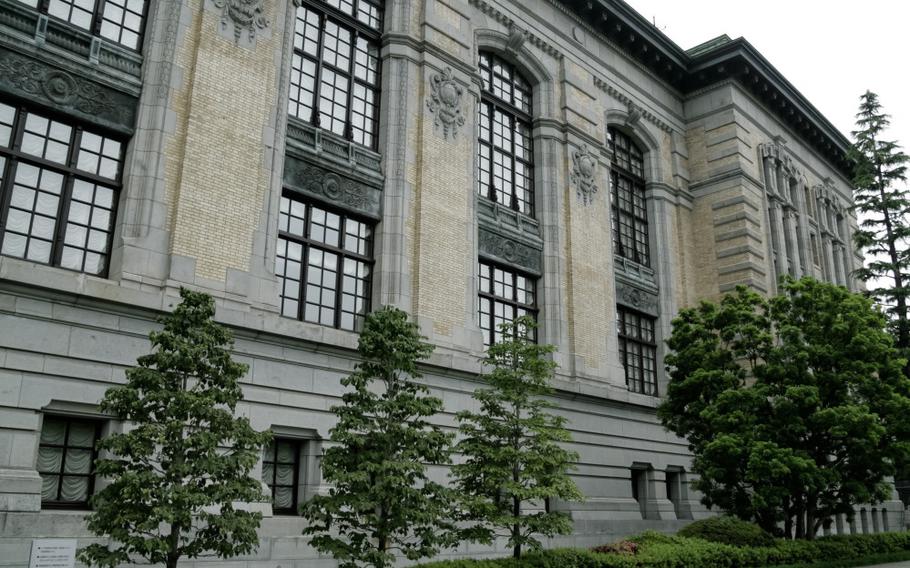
(832, 51)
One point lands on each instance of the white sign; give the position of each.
(53, 553)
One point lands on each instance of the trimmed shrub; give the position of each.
(728, 530)
(655, 550)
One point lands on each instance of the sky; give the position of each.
(831, 51)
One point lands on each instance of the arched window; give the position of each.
(505, 152)
(630, 215)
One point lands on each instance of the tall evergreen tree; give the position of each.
(382, 502)
(512, 447)
(178, 471)
(884, 205)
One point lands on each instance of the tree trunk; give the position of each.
(173, 545)
(516, 528)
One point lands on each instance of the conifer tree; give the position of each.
(382, 502)
(184, 462)
(511, 447)
(884, 204)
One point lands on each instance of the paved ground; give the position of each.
(904, 564)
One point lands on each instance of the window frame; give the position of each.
(297, 446)
(97, 19)
(516, 115)
(14, 155)
(490, 333)
(639, 224)
(357, 29)
(308, 243)
(644, 346)
(98, 426)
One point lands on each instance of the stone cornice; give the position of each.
(714, 61)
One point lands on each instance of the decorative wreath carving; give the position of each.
(244, 15)
(445, 102)
(584, 170)
(57, 87)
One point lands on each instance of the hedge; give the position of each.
(728, 530)
(661, 551)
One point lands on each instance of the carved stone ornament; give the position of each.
(584, 170)
(244, 15)
(26, 77)
(637, 299)
(445, 102)
(503, 248)
(329, 186)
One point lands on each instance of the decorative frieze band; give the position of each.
(331, 187)
(504, 249)
(637, 299)
(34, 80)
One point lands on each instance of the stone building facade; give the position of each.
(307, 160)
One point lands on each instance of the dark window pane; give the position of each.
(324, 265)
(504, 295)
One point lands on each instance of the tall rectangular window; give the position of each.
(281, 472)
(505, 295)
(505, 151)
(120, 21)
(59, 186)
(629, 211)
(335, 67)
(638, 350)
(66, 457)
(324, 264)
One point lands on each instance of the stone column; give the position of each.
(777, 237)
(802, 226)
(657, 505)
(401, 107)
(829, 258)
(140, 254)
(793, 251)
(552, 292)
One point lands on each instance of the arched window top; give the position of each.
(502, 81)
(626, 153)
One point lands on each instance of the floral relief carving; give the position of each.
(503, 248)
(584, 174)
(244, 15)
(57, 87)
(635, 298)
(445, 102)
(335, 188)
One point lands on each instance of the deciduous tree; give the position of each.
(381, 501)
(178, 471)
(795, 408)
(512, 447)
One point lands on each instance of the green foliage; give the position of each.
(681, 552)
(512, 447)
(795, 408)
(187, 458)
(381, 501)
(728, 530)
(884, 203)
